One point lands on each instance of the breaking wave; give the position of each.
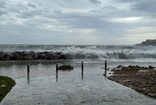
(89, 51)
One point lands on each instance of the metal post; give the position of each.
(82, 65)
(82, 70)
(28, 73)
(56, 66)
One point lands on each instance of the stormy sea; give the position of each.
(44, 85)
(96, 52)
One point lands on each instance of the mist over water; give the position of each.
(100, 52)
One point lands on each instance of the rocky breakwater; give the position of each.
(24, 55)
(141, 79)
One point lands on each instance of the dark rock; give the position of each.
(119, 66)
(151, 67)
(65, 67)
(6, 56)
(53, 56)
(47, 56)
(70, 56)
(59, 53)
(24, 55)
(63, 56)
(130, 66)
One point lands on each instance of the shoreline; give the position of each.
(141, 79)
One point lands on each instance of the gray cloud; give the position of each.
(90, 20)
(31, 5)
(59, 19)
(21, 7)
(145, 6)
(32, 13)
(29, 35)
(2, 4)
(95, 1)
(2, 12)
(2, 8)
(141, 5)
(123, 1)
(9, 8)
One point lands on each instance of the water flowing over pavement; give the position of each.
(71, 88)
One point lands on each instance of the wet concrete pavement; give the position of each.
(72, 89)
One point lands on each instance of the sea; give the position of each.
(96, 52)
(43, 85)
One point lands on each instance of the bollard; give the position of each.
(56, 67)
(82, 70)
(82, 65)
(28, 73)
(56, 72)
(105, 67)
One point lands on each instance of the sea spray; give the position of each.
(81, 51)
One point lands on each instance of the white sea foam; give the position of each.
(137, 53)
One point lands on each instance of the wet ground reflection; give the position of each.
(47, 86)
(56, 75)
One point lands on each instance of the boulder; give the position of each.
(151, 67)
(65, 67)
(24, 55)
(6, 56)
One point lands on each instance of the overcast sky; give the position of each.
(91, 22)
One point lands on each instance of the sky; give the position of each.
(77, 22)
